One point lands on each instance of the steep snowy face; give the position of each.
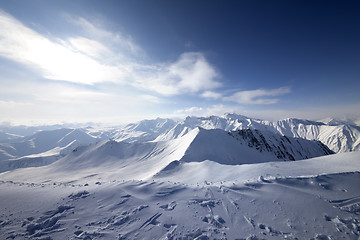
(339, 138)
(283, 147)
(221, 147)
(250, 146)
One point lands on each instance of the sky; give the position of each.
(123, 61)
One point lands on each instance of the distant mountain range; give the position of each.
(338, 136)
(230, 139)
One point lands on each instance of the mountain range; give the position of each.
(217, 177)
(230, 139)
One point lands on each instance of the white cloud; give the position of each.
(216, 109)
(259, 96)
(191, 110)
(55, 61)
(89, 47)
(211, 94)
(125, 41)
(84, 60)
(191, 73)
(151, 98)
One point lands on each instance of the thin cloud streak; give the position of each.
(186, 111)
(89, 47)
(258, 96)
(125, 41)
(211, 95)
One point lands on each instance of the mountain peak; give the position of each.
(234, 116)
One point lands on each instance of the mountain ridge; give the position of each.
(45, 147)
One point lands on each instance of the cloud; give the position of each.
(210, 94)
(89, 47)
(259, 96)
(273, 114)
(85, 60)
(191, 110)
(191, 73)
(151, 98)
(54, 60)
(95, 30)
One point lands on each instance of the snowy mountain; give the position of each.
(146, 130)
(337, 137)
(45, 147)
(42, 148)
(147, 159)
(249, 146)
(229, 177)
(10, 133)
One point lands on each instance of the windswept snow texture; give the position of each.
(322, 207)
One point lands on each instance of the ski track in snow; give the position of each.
(323, 207)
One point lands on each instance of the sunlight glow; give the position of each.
(56, 60)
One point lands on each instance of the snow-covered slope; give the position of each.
(194, 173)
(110, 158)
(206, 200)
(249, 146)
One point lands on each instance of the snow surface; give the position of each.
(259, 201)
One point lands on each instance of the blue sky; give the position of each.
(121, 61)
